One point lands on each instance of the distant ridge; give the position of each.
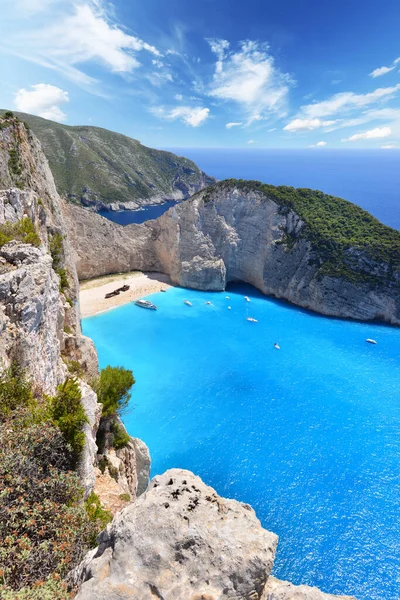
(103, 169)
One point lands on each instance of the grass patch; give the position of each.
(22, 231)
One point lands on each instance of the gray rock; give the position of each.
(179, 541)
(283, 590)
(89, 453)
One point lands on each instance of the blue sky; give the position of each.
(209, 73)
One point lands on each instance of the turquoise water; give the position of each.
(309, 435)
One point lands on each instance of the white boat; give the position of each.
(229, 307)
(227, 297)
(251, 319)
(209, 303)
(187, 302)
(146, 304)
(370, 341)
(277, 346)
(247, 299)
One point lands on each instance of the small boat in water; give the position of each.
(277, 346)
(209, 303)
(247, 299)
(229, 307)
(227, 297)
(187, 303)
(370, 341)
(251, 319)
(146, 304)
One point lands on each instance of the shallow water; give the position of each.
(309, 435)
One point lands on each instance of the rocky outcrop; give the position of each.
(182, 541)
(283, 590)
(229, 233)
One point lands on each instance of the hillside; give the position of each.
(99, 168)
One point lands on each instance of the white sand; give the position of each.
(92, 291)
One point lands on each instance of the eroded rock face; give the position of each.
(228, 234)
(180, 541)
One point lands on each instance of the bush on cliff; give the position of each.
(68, 414)
(22, 231)
(15, 391)
(113, 389)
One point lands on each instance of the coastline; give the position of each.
(92, 291)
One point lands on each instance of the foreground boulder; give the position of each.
(181, 541)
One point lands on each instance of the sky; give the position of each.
(209, 73)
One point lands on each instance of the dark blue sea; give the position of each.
(369, 178)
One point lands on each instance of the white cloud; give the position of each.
(320, 144)
(251, 142)
(249, 78)
(42, 100)
(381, 71)
(78, 34)
(395, 62)
(272, 129)
(389, 146)
(190, 116)
(307, 124)
(346, 101)
(372, 134)
(178, 97)
(230, 125)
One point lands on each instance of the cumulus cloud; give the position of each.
(372, 134)
(389, 146)
(43, 100)
(251, 142)
(190, 116)
(250, 78)
(230, 125)
(318, 145)
(307, 124)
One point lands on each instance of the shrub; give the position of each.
(125, 497)
(22, 231)
(56, 248)
(69, 415)
(120, 437)
(8, 114)
(44, 528)
(97, 515)
(113, 389)
(15, 391)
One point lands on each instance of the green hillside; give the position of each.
(91, 165)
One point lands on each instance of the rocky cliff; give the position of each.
(39, 291)
(316, 251)
(107, 170)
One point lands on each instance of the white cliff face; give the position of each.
(225, 234)
(182, 541)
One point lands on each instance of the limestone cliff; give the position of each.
(182, 541)
(242, 231)
(39, 290)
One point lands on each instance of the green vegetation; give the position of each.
(120, 437)
(45, 527)
(114, 167)
(8, 114)
(113, 389)
(56, 247)
(22, 231)
(336, 228)
(125, 497)
(69, 415)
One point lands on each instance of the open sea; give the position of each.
(369, 178)
(309, 435)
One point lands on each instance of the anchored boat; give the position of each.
(146, 304)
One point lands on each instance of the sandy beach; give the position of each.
(92, 291)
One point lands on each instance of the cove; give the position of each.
(146, 213)
(309, 435)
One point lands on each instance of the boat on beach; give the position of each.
(145, 304)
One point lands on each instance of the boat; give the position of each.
(251, 319)
(247, 299)
(227, 297)
(112, 294)
(370, 341)
(187, 302)
(162, 290)
(146, 304)
(277, 346)
(209, 303)
(229, 307)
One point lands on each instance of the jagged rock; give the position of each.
(283, 590)
(180, 541)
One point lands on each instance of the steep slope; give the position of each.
(316, 251)
(100, 168)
